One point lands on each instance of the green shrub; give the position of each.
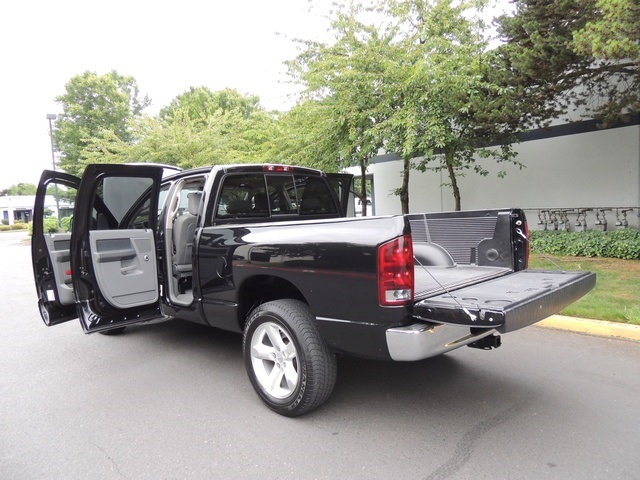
(623, 244)
(5, 221)
(51, 225)
(65, 224)
(15, 226)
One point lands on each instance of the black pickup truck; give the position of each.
(273, 252)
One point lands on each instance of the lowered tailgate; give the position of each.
(507, 303)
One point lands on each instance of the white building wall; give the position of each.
(22, 206)
(598, 169)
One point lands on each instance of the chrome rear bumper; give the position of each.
(423, 340)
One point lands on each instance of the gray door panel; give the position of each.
(58, 247)
(124, 262)
(50, 252)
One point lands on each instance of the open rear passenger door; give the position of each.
(114, 246)
(50, 251)
(342, 183)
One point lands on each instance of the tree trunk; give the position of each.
(363, 187)
(454, 181)
(404, 189)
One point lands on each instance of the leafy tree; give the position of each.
(20, 189)
(409, 77)
(306, 135)
(200, 104)
(226, 128)
(343, 83)
(567, 54)
(447, 109)
(62, 193)
(95, 106)
(614, 33)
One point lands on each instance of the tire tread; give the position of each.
(321, 362)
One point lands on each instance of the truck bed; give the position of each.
(431, 281)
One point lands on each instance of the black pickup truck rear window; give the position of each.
(258, 196)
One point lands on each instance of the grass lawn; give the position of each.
(616, 296)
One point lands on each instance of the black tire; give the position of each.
(113, 331)
(295, 372)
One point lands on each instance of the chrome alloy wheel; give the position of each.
(275, 360)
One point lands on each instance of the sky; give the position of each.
(167, 46)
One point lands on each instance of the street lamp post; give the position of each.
(51, 117)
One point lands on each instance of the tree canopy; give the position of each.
(20, 189)
(613, 33)
(411, 77)
(413, 82)
(447, 108)
(198, 128)
(95, 106)
(343, 92)
(200, 104)
(566, 54)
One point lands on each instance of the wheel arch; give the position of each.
(260, 289)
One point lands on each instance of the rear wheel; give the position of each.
(289, 366)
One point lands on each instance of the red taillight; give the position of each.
(277, 168)
(395, 271)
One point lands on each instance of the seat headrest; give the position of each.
(239, 207)
(194, 202)
(261, 201)
(311, 205)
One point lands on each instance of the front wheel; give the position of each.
(288, 363)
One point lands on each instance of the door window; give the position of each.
(121, 202)
(57, 217)
(314, 196)
(51, 245)
(59, 202)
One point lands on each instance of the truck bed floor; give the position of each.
(430, 281)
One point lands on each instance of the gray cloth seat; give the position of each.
(239, 207)
(260, 205)
(183, 232)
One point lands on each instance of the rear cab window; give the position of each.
(259, 196)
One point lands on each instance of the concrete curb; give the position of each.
(593, 327)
